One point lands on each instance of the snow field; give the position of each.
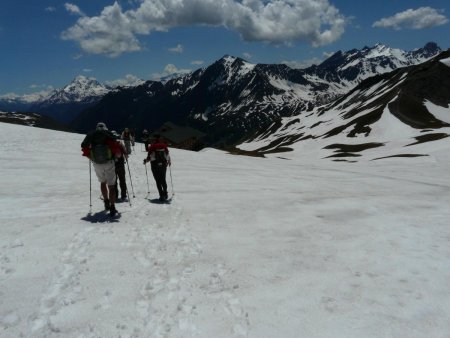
(249, 247)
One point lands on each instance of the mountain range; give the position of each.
(63, 104)
(234, 101)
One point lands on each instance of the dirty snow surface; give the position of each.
(248, 247)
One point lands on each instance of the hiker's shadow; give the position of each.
(158, 201)
(100, 217)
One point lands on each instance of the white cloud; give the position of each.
(73, 9)
(50, 9)
(178, 49)
(128, 80)
(114, 31)
(197, 62)
(247, 55)
(39, 91)
(10, 96)
(43, 87)
(110, 33)
(169, 70)
(87, 70)
(32, 97)
(423, 17)
(35, 96)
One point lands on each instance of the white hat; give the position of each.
(101, 126)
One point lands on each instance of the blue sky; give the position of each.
(48, 43)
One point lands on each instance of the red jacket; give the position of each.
(159, 146)
(155, 146)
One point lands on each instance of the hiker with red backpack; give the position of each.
(100, 146)
(158, 156)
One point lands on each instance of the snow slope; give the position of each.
(249, 247)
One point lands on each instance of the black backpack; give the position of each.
(101, 153)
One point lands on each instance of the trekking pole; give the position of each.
(132, 189)
(146, 174)
(128, 195)
(90, 188)
(171, 182)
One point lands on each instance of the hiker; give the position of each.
(132, 137)
(128, 139)
(146, 139)
(100, 146)
(158, 156)
(120, 173)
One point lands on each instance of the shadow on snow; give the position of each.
(158, 201)
(101, 217)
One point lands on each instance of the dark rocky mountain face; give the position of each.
(232, 100)
(9, 105)
(226, 100)
(128, 108)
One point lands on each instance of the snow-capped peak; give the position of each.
(380, 50)
(236, 67)
(228, 60)
(82, 87)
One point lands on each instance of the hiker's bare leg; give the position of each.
(112, 195)
(104, 190)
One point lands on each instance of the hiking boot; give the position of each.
(113, 211)
(107, 205)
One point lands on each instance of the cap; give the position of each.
(101, 126)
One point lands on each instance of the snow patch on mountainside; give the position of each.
(294, 90)
(246, 68)
(446, 62)
(351, 64)
(396, 136)
(441, 113)
(389, 128)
